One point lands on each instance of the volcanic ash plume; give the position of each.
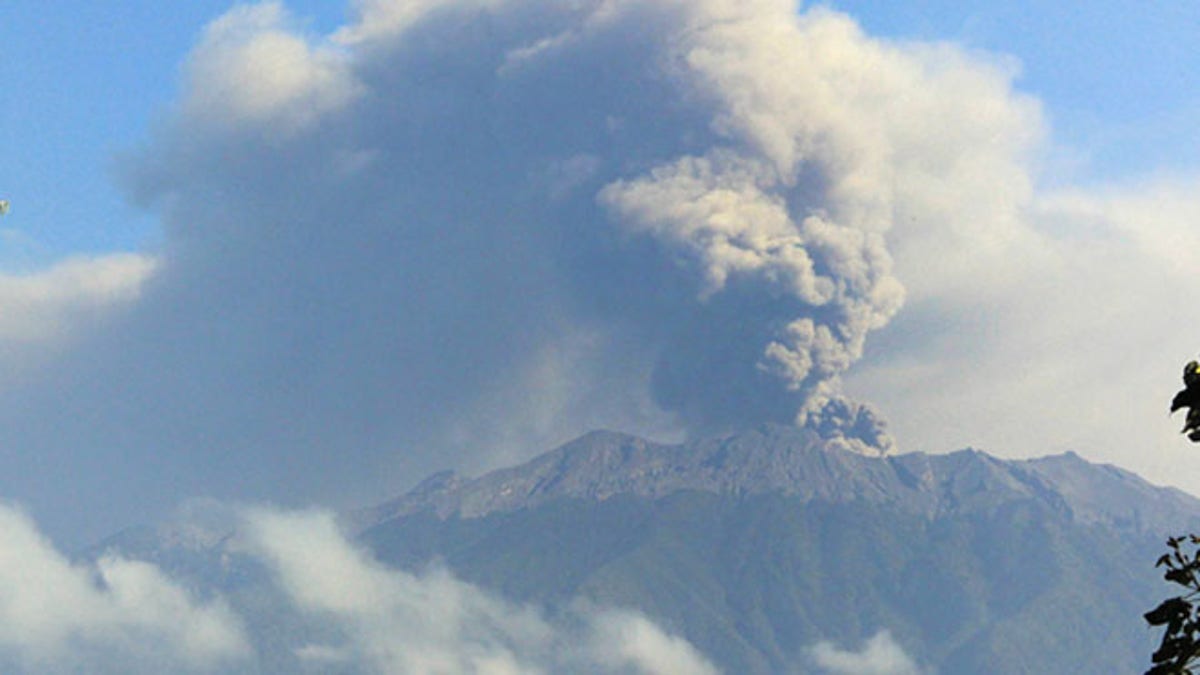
(803, 294)
(652, 214)
(454, 232)
(780, 222)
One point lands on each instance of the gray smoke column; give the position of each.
(784, 302)
(779, 223)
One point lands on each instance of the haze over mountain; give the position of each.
(769, 551)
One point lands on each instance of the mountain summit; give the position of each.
(758, 546)
(797, 463)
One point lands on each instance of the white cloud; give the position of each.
(59, 617)
(47, 305)
(1080, 347)
(396, 622)
(383, 20)
(880, 655)
(624, 639)
(43, 313)
(251, 68)
(126, 616)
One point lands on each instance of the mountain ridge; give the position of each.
(755, 546)
(797, 463)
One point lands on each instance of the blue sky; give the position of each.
(372, 251)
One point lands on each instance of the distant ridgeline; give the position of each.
(756, 547)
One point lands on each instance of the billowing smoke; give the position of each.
(460, 231)
(638, 168)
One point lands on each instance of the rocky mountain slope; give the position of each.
(795, 463)
(757, 546)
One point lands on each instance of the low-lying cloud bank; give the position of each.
(880, 655)
(346, 613)
(117, 615)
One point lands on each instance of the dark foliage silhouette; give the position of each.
(1180, 616)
